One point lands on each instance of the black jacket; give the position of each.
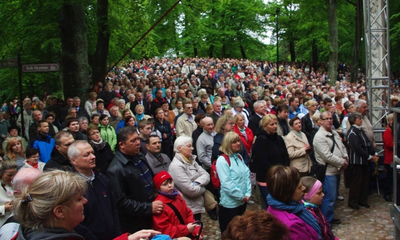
(78, 135)
(254, 124)
(133, 204)
(47, 234)
(101, 217)
(58, 161)
(104, 156)
(360, 148)
(145, 104)
(307, 128)
(269, 150)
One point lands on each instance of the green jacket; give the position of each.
(108, 135)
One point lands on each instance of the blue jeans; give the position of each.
(330, 191)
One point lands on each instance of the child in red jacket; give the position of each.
(168, 222)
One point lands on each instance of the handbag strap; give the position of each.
(334, 143)
(177, 213)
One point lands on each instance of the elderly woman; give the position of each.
(361, 151)
(189, 177)
(139, 110)
(32, 160)
(298, 148)
(308, 126)
(8, 169)
(107, 132)
(269, 150)
(286, 205)
(15, 151)
(234, 178)
(245, 133)
(83, 124)
(53, 206)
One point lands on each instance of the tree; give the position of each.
(333, 40)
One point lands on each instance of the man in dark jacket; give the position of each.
(59, 158)
(132, 182)
(80, 111)
(101, 216)
(140, 101)
(72, 125)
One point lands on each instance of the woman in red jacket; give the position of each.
(177, 219)
(245, 133)
(388, 147)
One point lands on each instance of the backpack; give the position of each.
(214, 174)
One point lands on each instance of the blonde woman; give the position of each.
(15, 151)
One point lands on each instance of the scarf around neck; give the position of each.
(172, 195)
(297, 209)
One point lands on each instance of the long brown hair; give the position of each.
(11, 143)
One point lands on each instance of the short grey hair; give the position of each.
(180, 141)
(131, 95)
(81, 119)
(353, 117)
(73, 151)
(113, 108)
(359, 102)
(257, 103)
(76, 98)
(121, 101)
(238, 103)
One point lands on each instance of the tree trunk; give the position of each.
(314, 50)
(223, 50)
(98, 61)
(211, 50)
(333, 42)
(292, 51)
(195, 51)
(74, 55)
(357, 41)
(243, 52)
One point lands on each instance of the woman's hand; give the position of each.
(143, 234)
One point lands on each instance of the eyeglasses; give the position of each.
(326, 119)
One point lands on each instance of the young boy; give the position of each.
(168, 222)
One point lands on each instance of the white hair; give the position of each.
(73, 151)
(180, 141)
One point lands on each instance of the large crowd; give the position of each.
(163, 141)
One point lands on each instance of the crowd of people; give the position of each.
(148, 146)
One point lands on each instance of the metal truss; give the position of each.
(376, 25)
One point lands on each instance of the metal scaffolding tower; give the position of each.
(376, 25)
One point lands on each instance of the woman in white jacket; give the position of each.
(298, 148)
(189, 177)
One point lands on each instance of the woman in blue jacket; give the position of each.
(234, 177)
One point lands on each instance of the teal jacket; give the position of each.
(235, 181)
(108, 135)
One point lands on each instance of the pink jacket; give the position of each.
(298, 229)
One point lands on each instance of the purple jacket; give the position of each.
(298, 229)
